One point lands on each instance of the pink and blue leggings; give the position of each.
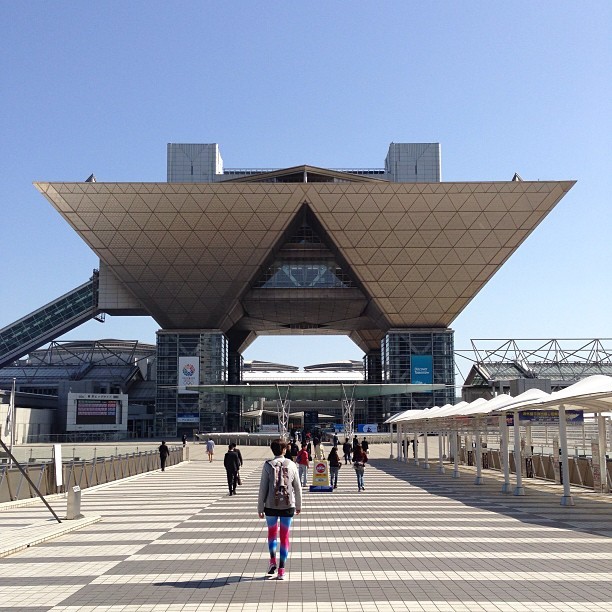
(285, 527)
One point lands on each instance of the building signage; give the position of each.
(545, 416)
(421, 369)
(187, 417)
(367, 428)
(188, 373)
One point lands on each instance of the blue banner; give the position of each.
(421, 369)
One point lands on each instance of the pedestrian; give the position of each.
(232, 465)
(318, 449)
(415, 447)
(309, 450)
(210, 449)
(164, 451)
(303, 464)
(347, 449)
(184, 440)
(355, 443)
(359, 461)
(280, 498)
(365, 445)
(334, 466)
(335, 439)
(293, 451)
(234, 448)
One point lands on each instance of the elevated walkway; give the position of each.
(49, 322)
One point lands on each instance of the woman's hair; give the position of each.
(278, 446)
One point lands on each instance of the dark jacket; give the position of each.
(347, 449)
(365, 445)
(231, 461)
(360, 457)
(237, 451)
(164, 451)
(334, 460)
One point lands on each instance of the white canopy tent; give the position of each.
(591, 395)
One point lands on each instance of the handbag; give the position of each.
(238, 481)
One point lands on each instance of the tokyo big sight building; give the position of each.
(388, 256)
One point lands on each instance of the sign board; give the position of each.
(367, 428)
(545, 416)
(338, 427)
(96, 412)
(188, 417)
(421, 369)
(269, 428)
(188, 373)
(57, 460)
(320, 474)
(311, 420)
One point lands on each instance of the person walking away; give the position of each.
(365, 445)
(184, 440)
(335, 440)
(334, 466)
(293, 451)
(210, 449)
(347, 449)
(355, 443)
(359, 461)
(279, 499)
(236, 450)
(164, 451)
(232, 465)
(303, 464)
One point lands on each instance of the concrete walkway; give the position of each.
(414, 540)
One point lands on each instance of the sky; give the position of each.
(504, 87)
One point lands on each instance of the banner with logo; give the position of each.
(188, 373)
(367, 428)
(421, 369)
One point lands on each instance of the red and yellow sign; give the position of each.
(320, 474)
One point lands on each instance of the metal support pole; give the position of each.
(504, 454)
(455, 444)
(478, 480)
(440, 453)
(518, 463)
(29, 480)
(284, 405)
(567, 499)
(348, 412)
(425, 465)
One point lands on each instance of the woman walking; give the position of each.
(280, 498)
(359, 461)
(334, 466)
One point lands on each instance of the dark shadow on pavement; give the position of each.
(488, 496)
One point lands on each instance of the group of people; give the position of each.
(355, 453)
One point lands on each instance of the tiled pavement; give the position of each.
(414, 540)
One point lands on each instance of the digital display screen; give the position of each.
(96, 412)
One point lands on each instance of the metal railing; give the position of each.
(81, 473)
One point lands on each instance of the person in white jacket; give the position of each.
(280, 498)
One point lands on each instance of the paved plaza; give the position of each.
(413, 540)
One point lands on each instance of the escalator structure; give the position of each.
(51, 321)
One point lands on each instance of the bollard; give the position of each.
(73, 506)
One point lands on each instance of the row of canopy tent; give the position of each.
(590, 395)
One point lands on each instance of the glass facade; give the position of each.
(176, 410)
(419, 356)
(50, 321)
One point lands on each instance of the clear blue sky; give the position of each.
(504, 87)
